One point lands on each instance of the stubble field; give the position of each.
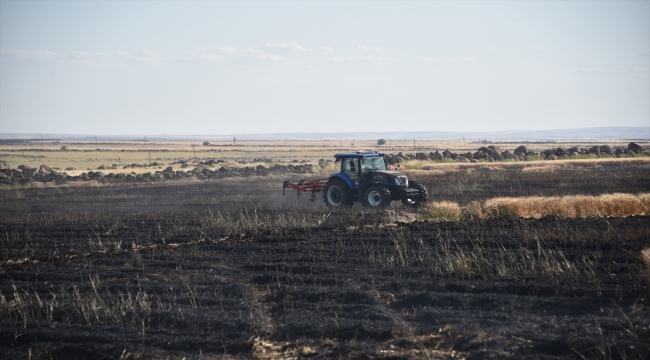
(231, 268)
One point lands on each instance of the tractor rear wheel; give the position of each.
(376, 196)
(337, 193)
(422, 198)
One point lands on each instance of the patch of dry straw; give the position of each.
(474, 210)
(76, 184)
(539, 169)
(428, 170)
(444, 210)
(577, 206)
(644, 199)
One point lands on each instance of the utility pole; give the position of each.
(194, 149)
(413, 142)
(95, 140)
(149, 157)
(234, 141)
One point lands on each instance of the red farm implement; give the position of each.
(312, 187)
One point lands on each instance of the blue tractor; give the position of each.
(364, 177)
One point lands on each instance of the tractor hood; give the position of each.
(388, 177)
(393, 173)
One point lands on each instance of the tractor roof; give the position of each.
(358, 154)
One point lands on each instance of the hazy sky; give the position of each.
(166, 67)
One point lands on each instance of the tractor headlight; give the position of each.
(397, 182)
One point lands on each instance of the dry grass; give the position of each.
(40, 185)
(444, 210)
(75, 184)
(431, 167)
(328, 169)
(473, 210)
(471, 259)
(644, 199)
(547, 165)
(577, 206)
(621, 205)
(539, 169)
(423, 172)
(414, 164)
(98, 306)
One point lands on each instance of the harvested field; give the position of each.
(231, 267)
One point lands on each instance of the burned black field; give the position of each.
(232, 268)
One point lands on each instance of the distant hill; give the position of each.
(596, 133)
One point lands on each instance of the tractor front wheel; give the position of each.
(337, 193)
(376, 196)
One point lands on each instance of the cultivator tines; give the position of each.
(312, 187)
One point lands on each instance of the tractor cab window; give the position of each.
(349, 168)
(373, 163)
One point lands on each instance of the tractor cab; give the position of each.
(365, 166)
(356, 166)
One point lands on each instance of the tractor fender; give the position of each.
(345, 178)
